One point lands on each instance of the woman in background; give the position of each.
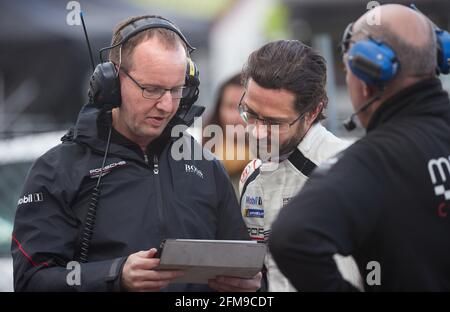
(226, 113)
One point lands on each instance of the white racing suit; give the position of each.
(264, 191)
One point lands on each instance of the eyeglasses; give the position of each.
(347, 38)
(156, 92)
(252, 119)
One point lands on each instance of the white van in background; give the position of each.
(16, 157)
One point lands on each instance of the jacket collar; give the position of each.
(425, 97)
(92, 129)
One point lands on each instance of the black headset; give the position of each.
(104, 85)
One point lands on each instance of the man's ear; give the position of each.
(312, 115)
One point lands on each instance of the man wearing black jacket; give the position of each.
(145, 196)
(386, 199)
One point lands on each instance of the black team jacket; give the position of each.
(145, 198)
(385, 200)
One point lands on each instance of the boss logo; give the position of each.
(193, 169)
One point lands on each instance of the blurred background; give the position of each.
(45, 66)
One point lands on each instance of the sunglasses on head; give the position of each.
(347, 38)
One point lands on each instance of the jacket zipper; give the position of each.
(155, 165)
(146, 158)
(162, 222)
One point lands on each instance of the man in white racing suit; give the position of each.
(285, 92)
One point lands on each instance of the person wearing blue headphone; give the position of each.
(386, 199)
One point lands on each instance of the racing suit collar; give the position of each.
(305, 145)
(310, 138)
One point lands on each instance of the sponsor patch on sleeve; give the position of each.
(254, 213)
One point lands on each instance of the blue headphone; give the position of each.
(375, 63)
(443, 41)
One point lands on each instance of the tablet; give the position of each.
(202, 260)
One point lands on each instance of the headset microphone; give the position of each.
(350, 124)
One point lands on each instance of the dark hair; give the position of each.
(168, 38)
(292, 66)
(235, 80)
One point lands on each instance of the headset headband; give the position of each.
(142, 24)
